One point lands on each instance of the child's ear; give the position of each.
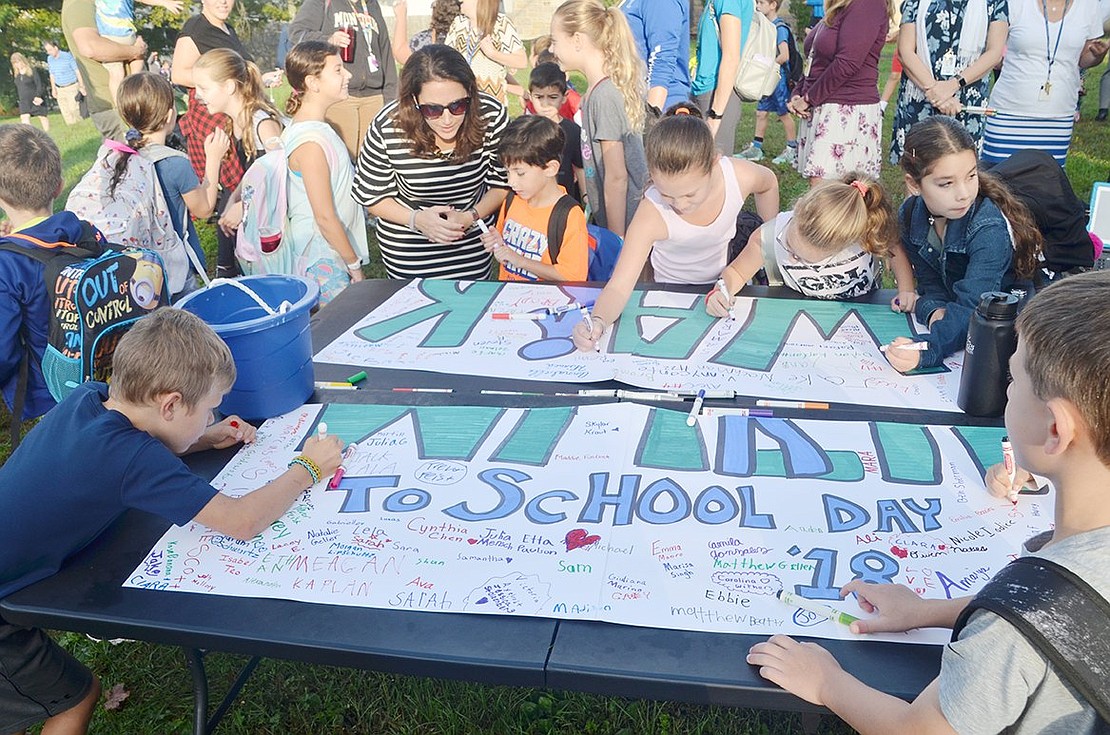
(169, 405)
(1064, 430)
(551, 169)
(58, 191)
(911, 185)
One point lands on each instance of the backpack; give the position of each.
(265, 194)
(604, 247)
(136, 214)
(1035, 178)
(1061, 616)
(758, 72)
(794, 63)
(96, 291)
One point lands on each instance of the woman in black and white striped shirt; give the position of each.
(428, 169)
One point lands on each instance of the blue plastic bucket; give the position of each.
(264, 320)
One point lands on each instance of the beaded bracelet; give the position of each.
(308, 464)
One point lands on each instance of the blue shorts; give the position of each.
(776, 101)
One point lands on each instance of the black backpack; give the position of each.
(1061, 616)
(556, 225)
(1041, 184)
(795, 62)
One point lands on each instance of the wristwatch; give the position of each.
(961, 81)
(712, 114)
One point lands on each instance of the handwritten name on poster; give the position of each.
(616, 512)
(773, 348)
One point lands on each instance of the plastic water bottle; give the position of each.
(991, 341)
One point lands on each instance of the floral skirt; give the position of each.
(839, 139)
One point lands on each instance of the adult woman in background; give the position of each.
(29, 87)
(429, 169)
(838, 100)
(443, 15)
(489, 42)
(1035, 95)
(947, 51)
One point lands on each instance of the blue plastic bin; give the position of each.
(264, 320)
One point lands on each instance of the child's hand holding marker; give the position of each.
(587, 333)
(1004, 483)
(904, 302)
(718, 302)
(902, 354)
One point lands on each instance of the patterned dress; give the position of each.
(944, 21)
(466, 39)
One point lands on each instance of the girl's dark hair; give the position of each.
(436, 62)
(144, 101)
(443, 14)
(939, 136)
(306, 59)
(680, 142)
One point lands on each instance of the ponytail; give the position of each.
(306, 59)
(608, 30)
(144, 101)
(855, 209)
(1028, 240)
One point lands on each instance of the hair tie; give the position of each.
(860, 187)
(132, 136)
(296, 93)
(681, 111)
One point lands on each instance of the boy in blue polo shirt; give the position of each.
(992, 678)
(170, 372)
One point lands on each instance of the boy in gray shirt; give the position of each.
(992, 679)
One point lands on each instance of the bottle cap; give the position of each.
(998, 305)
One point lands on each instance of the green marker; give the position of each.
(357, 377)
(816, 608)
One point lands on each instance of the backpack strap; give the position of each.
(557, 225)
(770, 262)
(1062, 616)
(20, 397)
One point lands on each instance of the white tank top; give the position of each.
(692, 253)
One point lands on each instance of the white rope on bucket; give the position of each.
(282, 308)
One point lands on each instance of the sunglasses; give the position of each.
(434, 112)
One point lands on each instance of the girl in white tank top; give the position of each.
(695, 197)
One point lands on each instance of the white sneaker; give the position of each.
(788, 157)
(751, 153)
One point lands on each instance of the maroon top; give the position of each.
(845, 67)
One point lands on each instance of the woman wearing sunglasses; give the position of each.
(429, 169)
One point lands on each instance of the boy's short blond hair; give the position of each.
(30, 168)
(170, 351)
(1067, 349)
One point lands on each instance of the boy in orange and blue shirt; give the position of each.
(537, 209)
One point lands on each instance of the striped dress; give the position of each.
(387, 167)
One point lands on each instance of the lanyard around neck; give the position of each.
(1051, 58)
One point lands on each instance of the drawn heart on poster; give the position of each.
(577, 538)
(472, 541)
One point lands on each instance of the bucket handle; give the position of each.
(282, 308)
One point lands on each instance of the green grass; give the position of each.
(289, 697)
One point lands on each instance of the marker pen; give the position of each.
(334, 385)
(333, 483)
(511, 393)
(321, 431)
(816, 608)
(911, 346)
(482, 225)
(980, 110)
(532, 316)
(357, 377)
(728, 297)
(696, 408)
(649, 396)
(595, 393)
(1010, 464)
(423, 390)
(758, 412)
(792, 404)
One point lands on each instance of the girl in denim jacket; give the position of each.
(964, 233)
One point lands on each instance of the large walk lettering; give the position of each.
(771, 321)
(798, 455)
(456, 309)
(671, 332)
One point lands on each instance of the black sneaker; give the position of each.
(1101, 116)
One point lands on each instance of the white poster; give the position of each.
(619, 512)
(783, 349)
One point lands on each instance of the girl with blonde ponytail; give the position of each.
(326, 234)
(595, 40)
(227, 83)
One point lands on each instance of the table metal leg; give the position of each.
(202, 723)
